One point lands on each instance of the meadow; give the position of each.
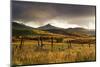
(68, 50)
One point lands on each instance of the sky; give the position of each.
(36, 14)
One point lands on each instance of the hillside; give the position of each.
(20, 26)
(70, 31)
(21, 29)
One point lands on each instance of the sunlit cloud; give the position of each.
(32, 24)
(61, 23)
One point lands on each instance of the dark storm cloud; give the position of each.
(42, 12)
(32, 11)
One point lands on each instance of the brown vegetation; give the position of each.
(43, 50)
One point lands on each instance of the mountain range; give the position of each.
(55, 30)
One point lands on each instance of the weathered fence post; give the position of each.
(41, 45)
(21, 42)
(38, 41)
(52, 42)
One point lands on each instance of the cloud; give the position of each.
(37, 14)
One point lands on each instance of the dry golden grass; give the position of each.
(31, 54)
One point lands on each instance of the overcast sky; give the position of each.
(37, 14)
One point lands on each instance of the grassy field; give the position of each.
(30, 53)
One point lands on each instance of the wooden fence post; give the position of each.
(52, 42)
(41, 45)
(21, 42)
(38, 41)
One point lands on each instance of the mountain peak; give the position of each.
(49, 26)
